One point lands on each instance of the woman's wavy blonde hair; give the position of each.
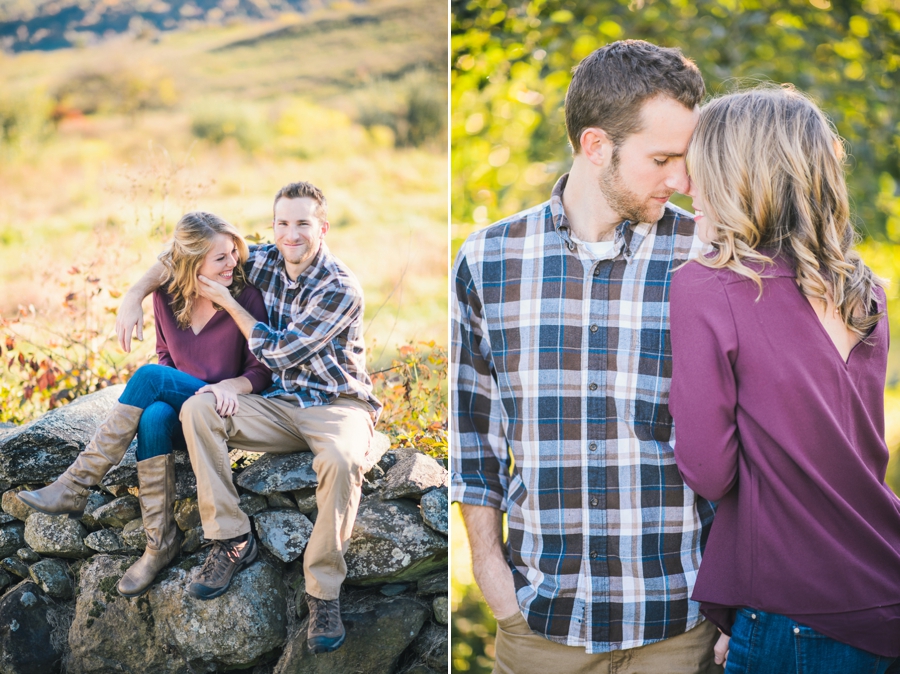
(769, 166)
(184, 256)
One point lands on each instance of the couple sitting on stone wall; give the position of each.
(283, 371)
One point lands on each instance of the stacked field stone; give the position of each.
(59, 606)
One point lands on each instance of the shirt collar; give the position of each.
(628, 236)
(309, 273)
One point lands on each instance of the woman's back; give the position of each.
(786, 431)
(843, 338)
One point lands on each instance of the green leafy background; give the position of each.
(510, 66)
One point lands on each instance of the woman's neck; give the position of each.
(202, 304)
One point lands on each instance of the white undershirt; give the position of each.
(597, 250)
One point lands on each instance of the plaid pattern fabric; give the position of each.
(314, 341)
(563, 363)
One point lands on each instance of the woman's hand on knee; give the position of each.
(720, 650)
(226, 398)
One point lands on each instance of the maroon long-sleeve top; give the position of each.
(219, 351)
(789, 439)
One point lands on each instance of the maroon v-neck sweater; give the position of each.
(789, 439)
(219, 351)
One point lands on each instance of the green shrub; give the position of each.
(413, 107)
(24, 117)
(217, 123)
(116, 90)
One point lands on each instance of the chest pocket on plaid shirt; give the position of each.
(648, 409)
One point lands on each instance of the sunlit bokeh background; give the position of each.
(511, 64)
(106, 143)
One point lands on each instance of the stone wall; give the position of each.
(60, 611)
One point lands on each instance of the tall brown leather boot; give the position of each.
(68, 495)
(156, 485)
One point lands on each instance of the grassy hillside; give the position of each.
(57, 24)
(102, 148)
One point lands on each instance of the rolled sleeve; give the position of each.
(703, 398)
(480, 460)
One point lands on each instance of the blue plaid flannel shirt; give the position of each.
(314, 341)
(561, 366)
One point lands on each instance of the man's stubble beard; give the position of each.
(300, 258)
(627, 205)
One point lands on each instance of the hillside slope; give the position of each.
(57, 24)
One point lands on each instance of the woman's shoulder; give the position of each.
(698, 277)
(252, 300)
(162, 299)
(249, 295)
(694, 272)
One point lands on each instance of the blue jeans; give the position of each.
(160, 391)
(769, 643)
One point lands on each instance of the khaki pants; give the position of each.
(521, 651)
(337, 434)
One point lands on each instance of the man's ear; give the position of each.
(325, 226)
(596, 146)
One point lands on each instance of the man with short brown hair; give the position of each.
(303, 190)
(320, 400)
(560, 371)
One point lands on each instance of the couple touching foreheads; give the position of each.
(261, 349)
(639, 388)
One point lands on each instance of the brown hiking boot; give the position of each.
(224, 560)
(326, 631)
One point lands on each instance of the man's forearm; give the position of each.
(240, 385)
(130, 317)
(492, 573)
(150, 281)
(244, 320)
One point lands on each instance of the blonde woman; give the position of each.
(200, 350)
(780, 342)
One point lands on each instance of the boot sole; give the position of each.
(138, 594)
(73, 514)
(317, 649)
(222, 590)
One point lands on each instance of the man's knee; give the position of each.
(202, 406)
(336, 462)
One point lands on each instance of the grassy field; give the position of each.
(103, 148)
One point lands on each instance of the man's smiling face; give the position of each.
(298, 233)
(648, 167)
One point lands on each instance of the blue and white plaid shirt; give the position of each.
(562, 363)
(314, 341)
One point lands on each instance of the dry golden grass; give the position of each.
(112, 185)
